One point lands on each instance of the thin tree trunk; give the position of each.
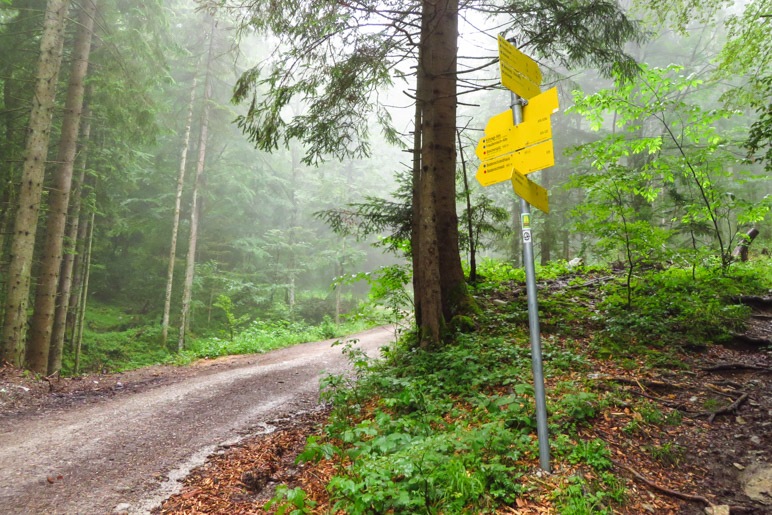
(190, 266)
(469, 226)
(73, 305)
(68, 260)
(415, 214)
(176, 219)
(548, 230)
(84, 294)
(25, 223)
(42, 322)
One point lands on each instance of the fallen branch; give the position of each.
(668, 491)
(734, 366)
(651, 383)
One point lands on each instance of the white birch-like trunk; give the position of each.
(176, 219)
(190, 265)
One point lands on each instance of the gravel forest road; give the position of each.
(127, 452)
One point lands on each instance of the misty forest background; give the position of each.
(668, 169)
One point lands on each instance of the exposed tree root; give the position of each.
(728, 409)
(667, 491)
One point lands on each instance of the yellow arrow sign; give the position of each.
(502, 136)
(496, 170)
(534, 194)
(525, 161)
(511, 56)
(539, 108)
(519, 73)
(534, 158)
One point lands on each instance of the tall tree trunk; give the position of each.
(190, 265)
(25, 223)
(442, 287)
(18, 55)
(81, 317)
(68, 259)
(176, 219)
(42, 321)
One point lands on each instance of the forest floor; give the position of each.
(718, 456)
(717, 462)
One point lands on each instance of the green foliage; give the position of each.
(290, 501)
(114, 341)
(232, 322)
(582, 497)
(668, 453)
(664, 158)
(262, 336)
(675, 309)
(448, 431)
(390, 298)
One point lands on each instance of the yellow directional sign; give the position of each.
(539, 108)
(534, 194)
(496, 170)
(525, 161)
(500, 122)
(534, 158)
(502, 136)
(511, 56)
(519, 73)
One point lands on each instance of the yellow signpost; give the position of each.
(534, 158)
(496, 170)
(530, 191)
(502, 136)
(516, 143)
(524, 161)
(519, 73)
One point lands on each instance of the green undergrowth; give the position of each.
(262, 336)
(115, 342)
(453, 430)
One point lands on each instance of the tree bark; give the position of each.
(68, 259)
(176, 219)
(190, 265)
(42, 321)
(741, 250)
(441, 286)
(25, 223)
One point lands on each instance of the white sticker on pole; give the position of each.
(526, 236)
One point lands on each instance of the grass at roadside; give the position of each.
(114, 344)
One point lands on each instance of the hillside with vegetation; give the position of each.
(658, 406)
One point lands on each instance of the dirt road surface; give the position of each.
(126, 453)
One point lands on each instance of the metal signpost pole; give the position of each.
(533, 317)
